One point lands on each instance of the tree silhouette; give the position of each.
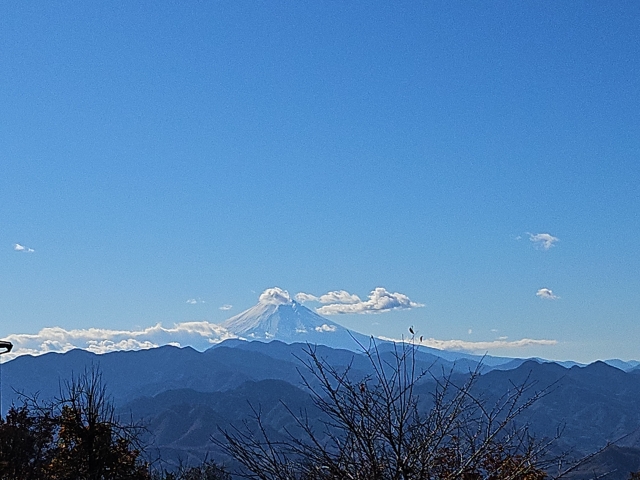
(377, 427)
(75, 437)
(26, 443)
(207, 470)
(91, 442)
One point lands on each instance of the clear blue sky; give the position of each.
(156, 152)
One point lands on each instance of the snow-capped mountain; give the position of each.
(278, 317)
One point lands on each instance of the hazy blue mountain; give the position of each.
(181, 422)
(145, 372)
(131, 374)
(593, 404)
(623, 365)
(185, 395)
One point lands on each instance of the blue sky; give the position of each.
(161, 152)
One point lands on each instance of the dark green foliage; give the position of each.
(26, 443)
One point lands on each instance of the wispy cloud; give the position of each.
(476, 347)
(194, 301)
(343, 302)
(226, 307)
(546, 294)
(21, 248)
(543, 241)
(199, 335)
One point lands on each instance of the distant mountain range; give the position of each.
(184, 396)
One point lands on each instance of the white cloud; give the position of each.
(275, 296)
(194, 301)
(199, 335)
(305, 297)
(226, 307)
(477, 347)
(543, 240)
(546, 294)
(21, 248)
(326, 328)
(379, 301)
(337, 296)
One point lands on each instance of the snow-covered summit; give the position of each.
(275, 296)
(277, 316)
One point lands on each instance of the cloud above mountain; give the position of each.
(337, 296)
(202, 334)
(305, 297)
(342, 302)
(275, 296)
(199, 335)
(477, 347)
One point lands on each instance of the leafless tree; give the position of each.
(377, 427)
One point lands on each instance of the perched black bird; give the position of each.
(7, 346)
(411, 331)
